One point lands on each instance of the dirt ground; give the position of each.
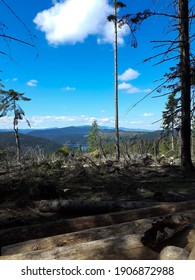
(109, 181)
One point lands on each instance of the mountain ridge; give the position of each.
(78, 134)
(52, 139)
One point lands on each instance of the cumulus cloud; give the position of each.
(39, 122)
(129, 74)
(133, 89)
(72, 21)
(124, 86)
(129, 88)
(32, 83)
(62, 121)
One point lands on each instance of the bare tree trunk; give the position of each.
(186, 162)
(18, 144)
(116, 82)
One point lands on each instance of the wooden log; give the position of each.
(128, 247)
(91, 206)
(87, 235)
(23, 233)
(136, 227)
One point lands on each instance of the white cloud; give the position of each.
(39, 122)
(107, 34)
(129, 88)
(69, 88)
(148, 115)
(32, 83)
(72, 21)
(129, 74)
(147, 90)
(62, 121)
(124, 86)
(134, 90)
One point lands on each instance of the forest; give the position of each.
(93, 192)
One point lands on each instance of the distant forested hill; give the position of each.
(50, 140)
(7, 139)
(72, 134)
(78, 134)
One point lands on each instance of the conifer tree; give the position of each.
(171, 116)
(94, 136)
(181, 72)
(9, 105)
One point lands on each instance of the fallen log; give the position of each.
(91, 206)
(87, 235)
(128, 247)
(23, 233)
(186, 238)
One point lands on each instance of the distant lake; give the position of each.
(77, 146)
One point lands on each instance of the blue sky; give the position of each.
(69, 75)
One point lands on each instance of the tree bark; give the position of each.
(116, 82)
(185, 80)
(18, 144)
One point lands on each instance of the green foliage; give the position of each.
(94, 137)
(8, 104)
(120, 4)
(117, 4)
(115, 18)
(165, 146)
(171, 114)
(63, 151)
(95, 154)
(111, 18)
(108, 147)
